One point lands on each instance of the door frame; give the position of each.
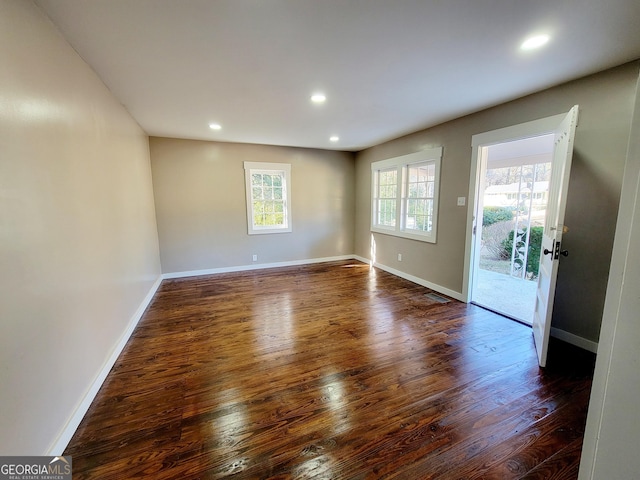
(520, 131)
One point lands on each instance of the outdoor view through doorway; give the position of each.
(512, 200)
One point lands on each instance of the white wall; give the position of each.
(78, 238)
(612, 436)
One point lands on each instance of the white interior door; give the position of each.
(553, 230)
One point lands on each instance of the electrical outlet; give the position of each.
(461, 201)
(255, 257)
(399, 257)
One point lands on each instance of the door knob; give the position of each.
(555, 253)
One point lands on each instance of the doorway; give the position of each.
(563, 129)
(512, 195)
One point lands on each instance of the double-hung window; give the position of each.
(268, 197)
(405, 195)
(387, 198)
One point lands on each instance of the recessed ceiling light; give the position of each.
(334, 138)
(215, 126)
(318, 98)
(534, 42)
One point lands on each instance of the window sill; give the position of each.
(269, 230)
(431, 238)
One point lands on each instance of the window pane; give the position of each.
(388, 177)
(430, 189)
(431, 172)
(420, 189)
(387, 212)
(420, 223)
(428, 207)
(267, 203)
(387, 193)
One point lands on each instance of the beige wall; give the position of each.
(201, 208)
(78, 240)
(606, 104)
(611, 438)
(79, 245)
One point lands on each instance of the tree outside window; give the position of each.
(268, 198)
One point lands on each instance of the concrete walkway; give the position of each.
(505, 294)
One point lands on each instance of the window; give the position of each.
(387, 197)
(405, 195)
(420, 193)
(268, 197)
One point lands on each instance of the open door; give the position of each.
(553, 230)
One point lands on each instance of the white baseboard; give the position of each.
(255, 266)
(581, 342)
(64, 437)
(362, 259)
(418, 280)
(242, 268)
(60, 443)
(563, 335)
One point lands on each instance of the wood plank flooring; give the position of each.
(330, 371)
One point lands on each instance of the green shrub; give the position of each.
(491, 215)
(535, 243)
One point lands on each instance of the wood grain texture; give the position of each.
(331, 371)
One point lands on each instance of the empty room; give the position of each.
(288, 238)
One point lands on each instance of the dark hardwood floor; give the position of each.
(331, 371)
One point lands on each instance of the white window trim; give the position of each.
(401, 163)
(256, 167)
(374, 204)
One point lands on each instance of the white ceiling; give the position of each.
(525, 151)
(387, 67)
